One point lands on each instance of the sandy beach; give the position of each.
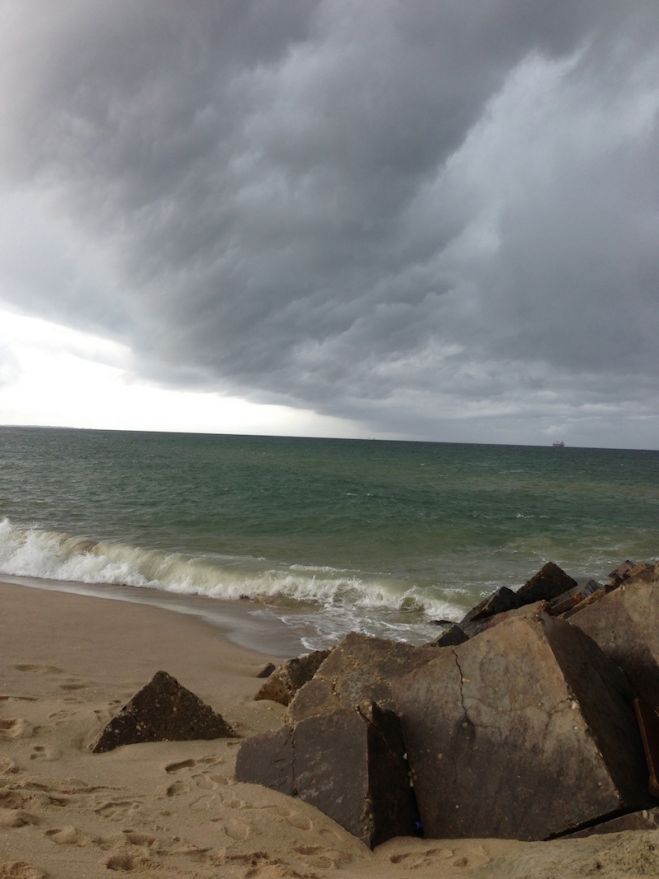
(173, 809)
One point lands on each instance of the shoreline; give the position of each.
(236, 620)
(256, 622)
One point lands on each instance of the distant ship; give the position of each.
(558, 444)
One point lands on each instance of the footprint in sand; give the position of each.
(14, 728)
(200, 778)
(13, 799)
(300, 822)
(72, 685)
(42, 752)
(194, 852)
(191, 782)
(37, 797)
(143, 839)
(117, 810)
(127, 863)
(324, 858)
(20, 870)
(177, 788)
(237, 829)
(7, 697)
(204, 782)
(234, 803)
(307, 849)
(261, 866)
(69, 835)
(416, 859)
(40, 669)
(8, 767)
(182, 764)
(16, 818)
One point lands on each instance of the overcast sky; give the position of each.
(424, 219)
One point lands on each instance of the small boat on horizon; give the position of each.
(558, 444)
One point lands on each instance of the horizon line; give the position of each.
(547, 445)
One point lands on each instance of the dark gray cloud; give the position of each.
(421, 216)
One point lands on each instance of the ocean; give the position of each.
(321, 536)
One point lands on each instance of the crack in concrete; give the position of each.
(294, 791)
(467, 719)
(333, 686)
(393, 752)
(562, 705)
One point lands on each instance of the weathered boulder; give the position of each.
(624, 623)
(359, 669)
(522, 732)
(504, 599)
(526, 610)
(451, 636)
(647, 572)
(589, 591)
(349, 763)
(623, 570)
(267, 670)
(162, 711)
(286, 680)
(628, 571)
(476, 628)
(550, 582)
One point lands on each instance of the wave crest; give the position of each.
(53, 555)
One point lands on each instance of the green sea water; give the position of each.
(343, 534)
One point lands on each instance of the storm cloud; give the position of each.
(433, 219)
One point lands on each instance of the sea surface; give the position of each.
(324, 536)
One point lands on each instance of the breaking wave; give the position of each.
(53, 555)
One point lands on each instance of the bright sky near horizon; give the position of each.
(428, 220)
(61, 377)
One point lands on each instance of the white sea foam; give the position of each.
(31, 552)
(325, 569)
